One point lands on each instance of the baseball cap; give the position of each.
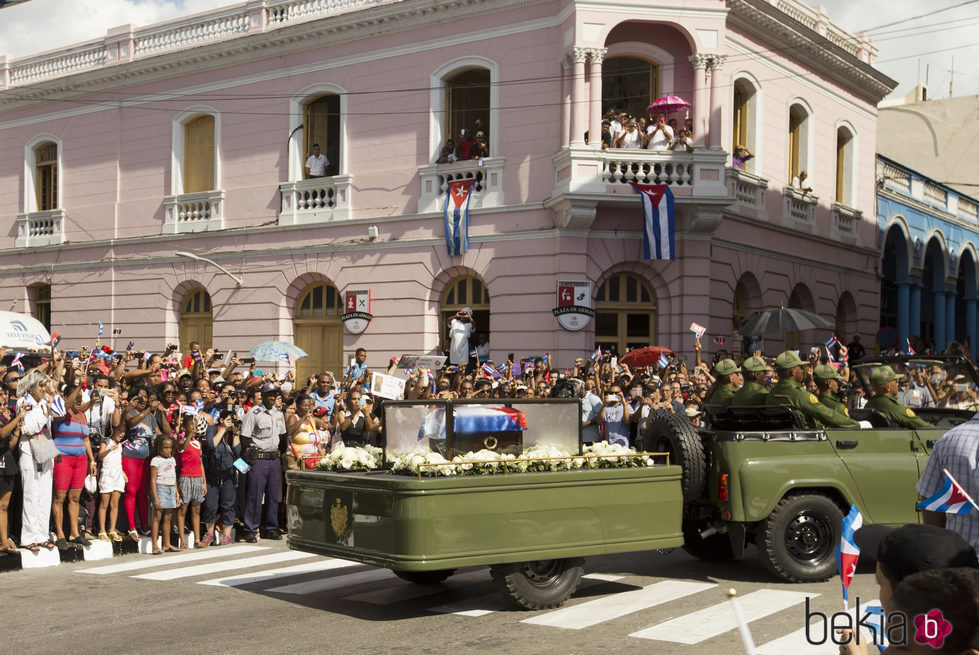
(692, 411)
(725, 367)
(789, 359)
(755, 365)
(914, 548)
(883, 375)
(825, 372)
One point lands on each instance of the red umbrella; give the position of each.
(667, 105)
(648, 356)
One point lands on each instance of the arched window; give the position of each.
(800, 298)
(798, 139)
(744, 121)
(467, 103)
(40, 295)
(199, 154)
(625, 314)
(46, 176)
(196, 320)
(318, 330)
(844, 166)
(465, 291)
(321, 126)
(629, 84)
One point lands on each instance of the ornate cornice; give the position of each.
(813, 50)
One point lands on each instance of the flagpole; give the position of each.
(746, 640)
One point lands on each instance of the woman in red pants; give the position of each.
(145, 421)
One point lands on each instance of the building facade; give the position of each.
(191, 137)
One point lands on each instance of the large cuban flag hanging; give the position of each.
(658, 221)
(470, 420)
(457, 223)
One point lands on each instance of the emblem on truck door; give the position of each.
(338, 518)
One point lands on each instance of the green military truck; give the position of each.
(758, 477)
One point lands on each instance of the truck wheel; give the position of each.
(715, 548)
(799, 536)
(539, 585)
(424, 577)
(669, 433)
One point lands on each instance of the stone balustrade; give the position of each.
(191, 33)
(749, 189)
(193, 212)
(487, 190)
(43, 228)
(817, 21)
(319, 200)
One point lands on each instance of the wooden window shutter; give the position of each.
(199, 155)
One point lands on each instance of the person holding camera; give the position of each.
(617, 417)
(354, 420)
(222, 446)
(307, 434)
(460, 329)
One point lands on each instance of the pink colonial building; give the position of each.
(124, 154)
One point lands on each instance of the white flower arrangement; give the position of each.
(411, 464)
(351, 458)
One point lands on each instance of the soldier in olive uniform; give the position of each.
(728, 380)
(790, 393)
(884, 381)
(753, 393)
(828, 381)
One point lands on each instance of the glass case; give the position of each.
(453, 427)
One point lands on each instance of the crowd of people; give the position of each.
(472, 144)
(620, 130)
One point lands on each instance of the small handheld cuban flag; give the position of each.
(285, 358)
(663, 360)
(658, 221)
(874, 619)
(829, 343)
(148, 354)
(16, 362)
(848, 553)
(490, 372)
(58, 407)
(910, 349)
(457, 199)
(950, 499)
(597, 355)
(101, 328)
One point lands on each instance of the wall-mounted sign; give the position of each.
(356, 310)
(574, 310)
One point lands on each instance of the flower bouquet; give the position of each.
(351, 458)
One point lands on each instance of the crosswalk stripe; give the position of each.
(712, 621)
(483, 605)
(325, 584)
(249, 578)
(587, 614)
(170, 560)
(797, 644)
(409, 590)
(228, 565)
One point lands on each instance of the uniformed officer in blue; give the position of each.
(260, 431)
(884, 381)
(789, 392)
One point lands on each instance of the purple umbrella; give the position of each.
(667, 105)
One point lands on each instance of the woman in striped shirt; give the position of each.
(74, 462)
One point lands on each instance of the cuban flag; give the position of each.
(597, 355)
(663, 360)
(285, 358)
(16, 362)
(457, 225)
(474, 419)
(490, 372)
(848, 553)
(875, 620)
(910, 349)
(58, 407)
(658, 221)
(829, 343)
(950, 499)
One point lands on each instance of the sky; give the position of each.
(928, 47)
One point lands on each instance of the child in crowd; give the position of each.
(112, 482)
(191, 483)
(163, 486)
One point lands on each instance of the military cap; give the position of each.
(825, 372)
(789, 359)
(725, 367)
(755, 365)
(883, 375)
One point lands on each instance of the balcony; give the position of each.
(799, 209)
(319, 200)
(44, 228)
(193, 212)
(749, 190)
(487, 191)
(846, 223)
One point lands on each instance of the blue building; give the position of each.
(928, 234)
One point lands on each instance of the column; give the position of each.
(579, 102)
(565, 101)
(700, 109)
(914, 322)
(970, 323)
(903, 314)
(949, 316)
(596, 56)
(939, 303)
(719, 93)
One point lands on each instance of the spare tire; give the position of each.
(674, 434)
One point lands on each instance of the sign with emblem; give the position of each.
(356, 310)
(339, 520)
(574, 307)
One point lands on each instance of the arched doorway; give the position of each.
(629, 84)
(965, 300)
(894, 269)
(317, 330)
(800, 298)
(933, 310)
(625, 314)
(465, 291)
(196, 320)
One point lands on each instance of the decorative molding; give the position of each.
(597, 55)
(699, 60)
(579, 55)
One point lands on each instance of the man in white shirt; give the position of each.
(660, 135)
(317, 163)
(460, 329)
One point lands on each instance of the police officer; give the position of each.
(728, 380)
(260, 430)
(789, 392)
(828, 381)
(753, 393)
(884, 381)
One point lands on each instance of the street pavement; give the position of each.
(265, 598)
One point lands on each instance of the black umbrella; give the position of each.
(782, 320)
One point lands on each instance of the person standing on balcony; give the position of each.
(659, 136)
(467, 144)
(740, 156)
(630, 137)
(316, 163)
(448, 154)
(802, 183)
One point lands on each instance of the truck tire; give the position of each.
(424, 577)
(799, 536)
(669, 433)
(539, 585)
